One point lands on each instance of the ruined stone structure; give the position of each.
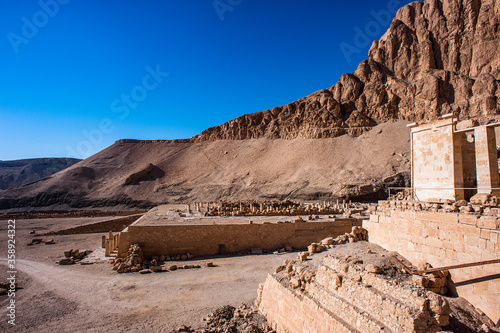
(439, 228)
(166, 230)
(340, 295)
(445, 238)
(450, 163)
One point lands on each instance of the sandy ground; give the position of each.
(94, 298)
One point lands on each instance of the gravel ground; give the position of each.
(94, 298)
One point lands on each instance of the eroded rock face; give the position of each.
(437, 57)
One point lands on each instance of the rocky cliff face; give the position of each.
(437, 57)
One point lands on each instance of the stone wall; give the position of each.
(211, 239)
(290, 311)
(444, 239)
(436, 156)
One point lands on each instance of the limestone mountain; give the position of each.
(437, 57)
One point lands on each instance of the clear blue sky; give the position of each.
(78, 75)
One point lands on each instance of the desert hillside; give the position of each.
(21, 172)
(143, 173)
(350, 140)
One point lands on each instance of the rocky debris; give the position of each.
(303, 256)
(72, 257)
(484, 199)
(357, 234)
(67, 261)
(370, 268)
(230, 319)
(283, 250)
(32, 232)
(315, 248)
(437, 57)
(298, 274)
(274, 208)
(50, 242)
(481, 203)
(434, 281)
(35, 241)
(134, 261)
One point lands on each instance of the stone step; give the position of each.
(353, 315)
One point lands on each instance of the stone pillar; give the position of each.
(486, 160)
(458, 167)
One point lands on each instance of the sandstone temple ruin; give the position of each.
(453, 162)
(433, 224)
(449, 219)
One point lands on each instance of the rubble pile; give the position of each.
(72, 257)
(481, 203)
(357, 234)
(433, 281)
(273, 208)
(231, 320)
(134, 261)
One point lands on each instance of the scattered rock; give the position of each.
(279, 268)
(67, 261)
(484, 199)
(327, 241)
(370, 268)
(303, 256)
(295, 282)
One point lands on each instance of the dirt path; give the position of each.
(96, 299)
